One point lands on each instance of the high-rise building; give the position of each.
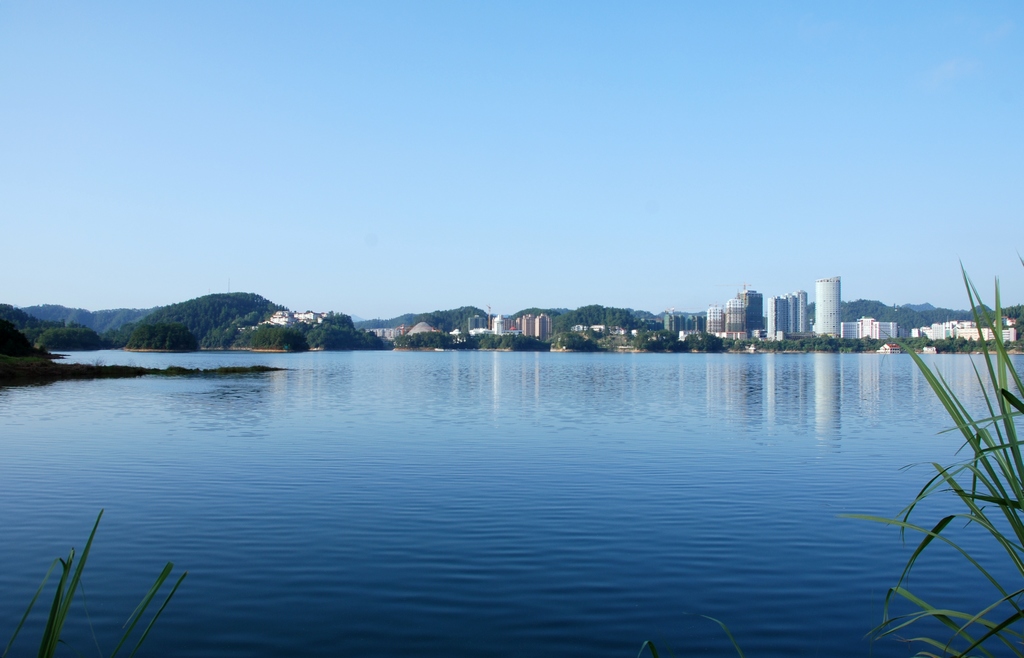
(735, 316)
(716, 319)
(777, 310)
(526, 324)
(827, 297)
(542, 326)
(798, 319)
(753, 310)
(477, 322)
(673, 322)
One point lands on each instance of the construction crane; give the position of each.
(735, 285)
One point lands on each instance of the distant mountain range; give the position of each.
(907, 316)
(98, 321)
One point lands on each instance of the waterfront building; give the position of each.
(673, 322)
(869, 328)
(421, 328)
(735, 316)
(753, 310)
(827, 299)
(716, 319)
(849, 330)
(542, 326)
(786, 314)
(499, 325)
(966, 329)
(526, 324)
(778, 316)
(798, 319)
(387, 333)
(973, 332)
(477, 322)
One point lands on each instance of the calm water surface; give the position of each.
(482, 503)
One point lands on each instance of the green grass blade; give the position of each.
(149, 627)
(31, 603)
(728, 634)
(140, 609)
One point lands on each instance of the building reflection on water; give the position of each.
(827, 397)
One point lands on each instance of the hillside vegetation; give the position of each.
(271, 337)
(215, 319)
(14, 343)
(165, 337)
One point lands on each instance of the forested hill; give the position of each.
(381, 323)
(98, 321)
(907, 316)
(609, 316)
(215, 319)
(22, 320)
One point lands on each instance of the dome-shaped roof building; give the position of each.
(420, 328)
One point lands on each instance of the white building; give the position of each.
(963, 329)
(827, 298)
(288, 318)
(869, 328)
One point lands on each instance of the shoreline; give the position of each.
(40, 370)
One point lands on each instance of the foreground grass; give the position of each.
(70, 578)
(18, 370)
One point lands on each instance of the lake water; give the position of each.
(476, 504)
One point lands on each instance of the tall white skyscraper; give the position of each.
(827, 297)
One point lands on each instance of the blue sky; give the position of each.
(378, 158)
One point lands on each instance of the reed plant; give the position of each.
(70, 580)
(984, 493)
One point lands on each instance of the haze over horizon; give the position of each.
(405, 157)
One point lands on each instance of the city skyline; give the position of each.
(799, 300)
(376, 159)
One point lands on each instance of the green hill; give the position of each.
(215, 319)
(98, 321)
(165, 337)
(597, 314)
